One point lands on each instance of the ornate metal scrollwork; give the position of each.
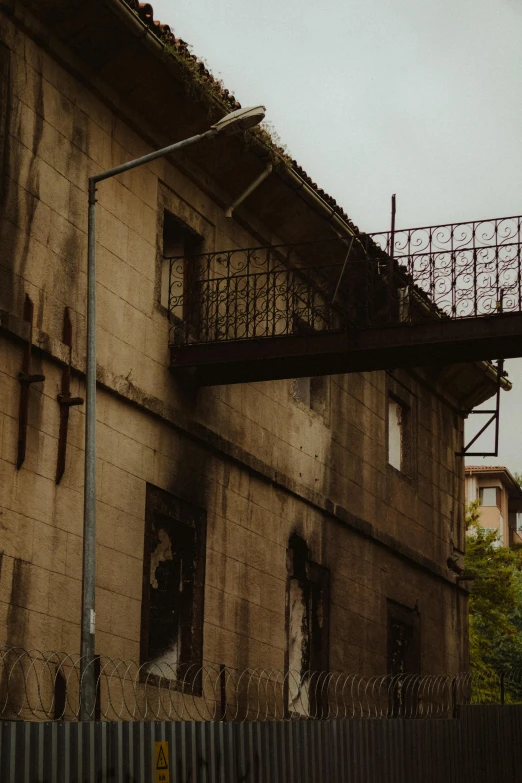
(453, 271)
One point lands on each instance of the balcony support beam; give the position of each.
(442, 342)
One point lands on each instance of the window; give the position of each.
(177, 278)
(312, 392)
(173, 584)
(394, 434)
(308, 609)
(403, 657)
(399, 436)
(403, 639)
(490, 496)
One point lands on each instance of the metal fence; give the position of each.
(480, 746)
(42, 686)
(452, 271)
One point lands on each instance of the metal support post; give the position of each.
(88, 686)
(88, 677)
(391, 262)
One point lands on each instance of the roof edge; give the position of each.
(221, 97)
(481, 469)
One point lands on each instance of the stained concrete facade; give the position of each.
(257, 459)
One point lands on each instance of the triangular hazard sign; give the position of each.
(161, 761)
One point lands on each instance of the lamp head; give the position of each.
(240, 120)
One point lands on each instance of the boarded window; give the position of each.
(308, 609)
(173, 584)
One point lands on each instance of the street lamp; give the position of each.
(236, 121)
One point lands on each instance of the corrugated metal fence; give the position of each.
(483, 744)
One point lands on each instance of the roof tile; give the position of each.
(166, 34)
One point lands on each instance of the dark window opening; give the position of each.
(173, 585)
(60, 691)
(403, 639)
(178, 278)
(403, 657)
(308, 620)
(60, 695)
(97, 679)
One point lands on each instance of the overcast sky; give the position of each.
(422, 98)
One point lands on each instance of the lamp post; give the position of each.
(242, 119)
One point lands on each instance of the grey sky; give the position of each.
(418, 98)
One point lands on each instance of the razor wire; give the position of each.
(40, 686)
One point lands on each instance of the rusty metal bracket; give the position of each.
(65, 400)
(390, 264)
(494, 416)
(26, 378)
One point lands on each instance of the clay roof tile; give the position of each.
(165, 33)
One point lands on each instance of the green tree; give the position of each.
(495, 623)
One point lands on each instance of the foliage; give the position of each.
(495, 624)
(204, 86)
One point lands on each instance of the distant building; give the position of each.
(500, 498)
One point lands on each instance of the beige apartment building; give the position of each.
(299, 523)
(500, 497)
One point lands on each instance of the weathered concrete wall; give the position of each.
(261, 463)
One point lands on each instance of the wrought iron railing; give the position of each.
(36, 685)
(453, 271)
(465, 269)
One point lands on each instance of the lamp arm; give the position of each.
(132, 164)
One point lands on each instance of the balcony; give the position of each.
(436, 295)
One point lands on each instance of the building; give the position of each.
(500, 497)
(303, 524)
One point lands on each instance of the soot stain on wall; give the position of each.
(18, 204)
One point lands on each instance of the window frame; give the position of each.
(406, 616)
(196, 223)
(408, 404)
(160, 503)
(498, 497)
(313, 579)
(192, 244)
(401, 435)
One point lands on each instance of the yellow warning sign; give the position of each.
(161, 762)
